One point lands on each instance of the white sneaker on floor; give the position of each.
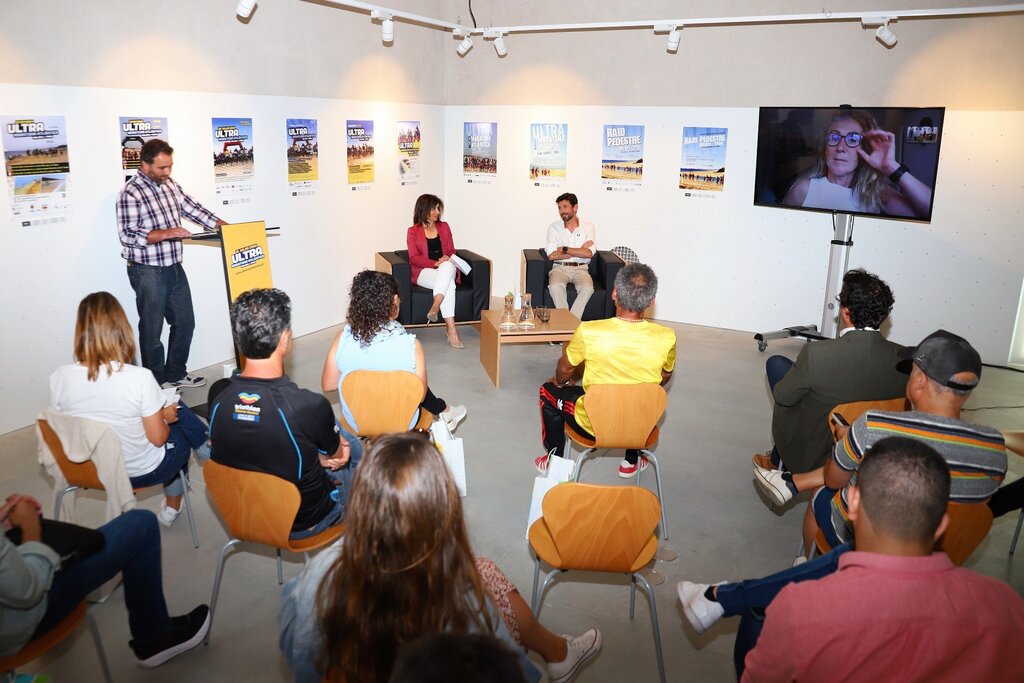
(188, 381)
(167, 515)
(453, 416)
(581, 650)
(700, 612)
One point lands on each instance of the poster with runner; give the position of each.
(480, 152)
(303, 166)
(135, 131)
(409, 152)
(549, 152)
(622, 157)
(38, 168)
(702, 168)
(234, 168)
(359, 142)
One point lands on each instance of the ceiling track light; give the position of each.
(499, 42)
(244, 8)
(885, 35)
(673, 40)
(387, 25)
(465, 46)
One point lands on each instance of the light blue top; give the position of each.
(300, 632)
(392, 349)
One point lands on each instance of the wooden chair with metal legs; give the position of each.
(623, 416)
(257, 508)
(82, 475)
(1015, 444)
(383, 402)
(34, 649)
(852, 411)
(602, 529)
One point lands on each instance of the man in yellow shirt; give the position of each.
(625, 349)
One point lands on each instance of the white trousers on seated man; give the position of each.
(580, 278)
(441, 280)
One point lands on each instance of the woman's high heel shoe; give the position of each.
(454, 344)
(431, 317)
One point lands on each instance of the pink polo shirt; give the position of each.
(889, 618)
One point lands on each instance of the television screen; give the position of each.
(872, 161)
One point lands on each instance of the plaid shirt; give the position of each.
(144, 205)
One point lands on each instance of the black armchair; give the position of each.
(472, 294)
(603, 268)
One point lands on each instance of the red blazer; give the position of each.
(416, 241)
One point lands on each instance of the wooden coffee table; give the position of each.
(559, 328)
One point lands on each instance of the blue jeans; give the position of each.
(187, 433)
(776, 368)
(750, 598)
(342, 479)
(133, 548)
(162, 292)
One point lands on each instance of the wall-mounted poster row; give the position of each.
(38, 168)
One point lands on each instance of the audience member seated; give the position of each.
(103, 385)
(860, 365)
(570, 245)
(36, 592)
(895, 610)
(457, 658)
(404, 569)
(260, 418)
(945, 370)
(373, 340)
(430, 245)
(625, 349)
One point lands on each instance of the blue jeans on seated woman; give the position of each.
(187, 433)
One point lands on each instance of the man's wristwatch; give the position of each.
(565, 250)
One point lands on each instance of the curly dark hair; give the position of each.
(867, 297)
(258, 319)
(371, 297)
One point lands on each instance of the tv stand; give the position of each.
(838, 258)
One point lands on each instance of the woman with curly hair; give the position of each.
(857, 170)
(403, 569)
(374, 340)
(431, 247)
(103, 385)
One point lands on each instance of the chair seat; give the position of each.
(588, 442)
(313, 542)
(44, 643)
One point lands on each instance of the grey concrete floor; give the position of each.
(719, 414)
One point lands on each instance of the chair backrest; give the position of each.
(624, 415)
(601, 528)
(80, 474)
(382, 402)
(969, 524)
(39, 646)
(1014, 441)
(256, 506)
(852, 411)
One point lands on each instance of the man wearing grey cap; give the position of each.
(946, 368)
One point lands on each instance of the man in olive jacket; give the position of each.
(858, 366)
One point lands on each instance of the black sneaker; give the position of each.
(185, 633)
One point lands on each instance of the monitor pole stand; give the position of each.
(838, 257)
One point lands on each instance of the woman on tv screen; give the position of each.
(857, 171)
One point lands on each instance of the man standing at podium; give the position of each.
(149, 212)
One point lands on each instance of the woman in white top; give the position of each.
(857, 171)
(103, 385)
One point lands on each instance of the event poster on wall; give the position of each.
(549, 153)
(702, 168)
(622, 157)
(135, 132)
(233, 163)
(303, 166)
(38, 168)
(409, 152)
(479, 151)
(359, 141)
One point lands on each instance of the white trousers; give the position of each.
(441, 280)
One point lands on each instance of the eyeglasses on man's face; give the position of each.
(852, 139)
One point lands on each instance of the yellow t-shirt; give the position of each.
(620, 352)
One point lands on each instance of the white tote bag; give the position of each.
(452, 450)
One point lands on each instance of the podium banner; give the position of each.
(246, 257)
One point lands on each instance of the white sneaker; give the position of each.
(772, 483)
(167, 514)
(581, 650)
(453, 416)
(700, 612)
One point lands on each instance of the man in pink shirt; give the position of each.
(895, 610)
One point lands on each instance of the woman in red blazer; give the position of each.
(430, 248)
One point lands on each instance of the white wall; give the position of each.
(723, 262)
(323, 240)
